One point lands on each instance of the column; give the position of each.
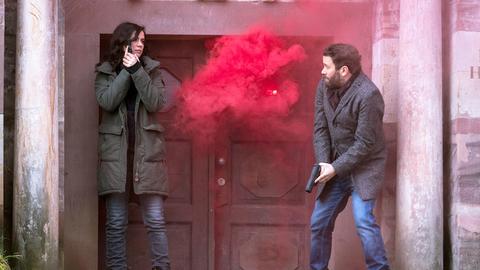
(35, 217)
(419, 233)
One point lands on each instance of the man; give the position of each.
(350, 148)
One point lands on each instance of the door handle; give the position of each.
(221, 181)
(221, 161)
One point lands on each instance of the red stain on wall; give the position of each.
(245, 82)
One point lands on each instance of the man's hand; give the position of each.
(327, 172)
(129, 59)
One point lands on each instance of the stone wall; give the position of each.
(461, 124)
(462, 194)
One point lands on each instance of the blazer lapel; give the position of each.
(327, 106)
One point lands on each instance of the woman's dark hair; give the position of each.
(344, 55)
(121, 37)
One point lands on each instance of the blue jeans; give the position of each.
(327, 207)
(116, 228)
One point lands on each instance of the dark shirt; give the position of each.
(132, 92)
(130, 100)
(336, 94)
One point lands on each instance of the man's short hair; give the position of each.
(344, 55)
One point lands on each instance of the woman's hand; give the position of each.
(129, 59)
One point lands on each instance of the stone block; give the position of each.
(468, 251)
(469, 223)
(468, 187)
(466, 16)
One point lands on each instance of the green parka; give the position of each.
(149, 168)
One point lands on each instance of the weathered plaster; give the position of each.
(465, 76)
(385, 75)
(35, 192)
(468, 217)
(387, 16)
(419, 227)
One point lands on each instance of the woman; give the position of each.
(130, 91)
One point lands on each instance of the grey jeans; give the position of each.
(116, 228)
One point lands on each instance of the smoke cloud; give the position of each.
(245, 83)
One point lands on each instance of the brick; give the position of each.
(468, 188)
(466, 14)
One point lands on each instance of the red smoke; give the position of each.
(245, 82)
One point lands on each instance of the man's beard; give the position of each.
(335, 82)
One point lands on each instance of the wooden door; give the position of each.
(262, 213)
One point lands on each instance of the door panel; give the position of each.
(267, 173)
(260, 215)
(267, 247)
(180, 172)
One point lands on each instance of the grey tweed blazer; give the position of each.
(355, 132)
